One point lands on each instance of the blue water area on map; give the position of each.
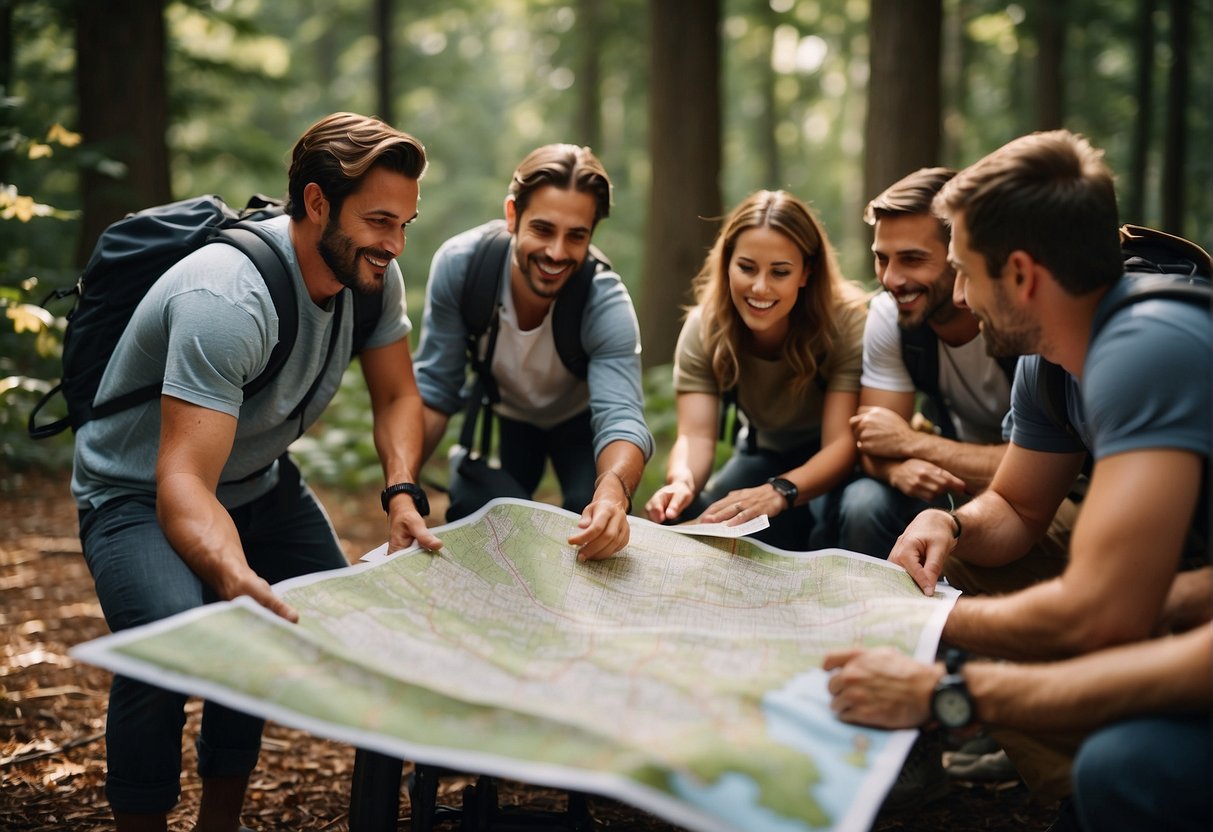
(798, 716)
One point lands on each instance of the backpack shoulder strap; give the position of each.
(1051, 386)
(368, 309)
(920, 354)
(244, 237)
(1149, 286)
(482, 288)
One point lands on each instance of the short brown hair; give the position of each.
(1048, 194)
(908, 196)
(338, 151)
(563, 166)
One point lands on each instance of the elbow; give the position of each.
(1106, 627)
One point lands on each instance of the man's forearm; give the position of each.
(620, 466)
(973, 463)
(435, 423)
(1162, 675)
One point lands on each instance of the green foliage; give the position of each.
(483, 83)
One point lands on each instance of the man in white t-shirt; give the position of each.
(917, 342)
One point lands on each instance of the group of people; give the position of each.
(193, 498)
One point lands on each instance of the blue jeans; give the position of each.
(873, 514)
(1148, 774)
(524, 449)
(795, 529)
(139, 579)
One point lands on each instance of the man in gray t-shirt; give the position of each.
(191, 498)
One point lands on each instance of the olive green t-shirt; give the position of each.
(783, 417)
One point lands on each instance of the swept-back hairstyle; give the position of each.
(909, 196)
(563, 166)
(339, 150)
(1049, 194)
(812, 319)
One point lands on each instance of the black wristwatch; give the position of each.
(413, 490)
(951, 703)
(786, 488)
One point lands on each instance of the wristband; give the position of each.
(627, 492)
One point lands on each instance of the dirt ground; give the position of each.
(52, 710)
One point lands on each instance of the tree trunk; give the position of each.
(902, 129)
(1050, 26)
(1135, 205)
(383, 62)
(123, 100)
(684, 146)
(767, 141)
(1175, 157)
(589, 76)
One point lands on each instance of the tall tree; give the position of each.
(1050, 28)
(383, 61)
(1174, 164)
(1139, 151)
(902, 128)
(120, 46)
(589, 75)
(685, 152)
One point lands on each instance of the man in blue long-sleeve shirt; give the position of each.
(592, 428)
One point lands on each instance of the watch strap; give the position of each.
(412, 489)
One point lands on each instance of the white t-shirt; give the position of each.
(974, 387)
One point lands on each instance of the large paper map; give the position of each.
(681, 675)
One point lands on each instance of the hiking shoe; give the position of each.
(922, 779)
(993, 767)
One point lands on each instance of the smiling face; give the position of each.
(360, 240)
(551, 239)
(911, 258)
(1008, 330)
(766, 272)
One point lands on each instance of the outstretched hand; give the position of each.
(406, 527)
(924, 547)
(669, 502)
(880, 687)
(602, 530)
(744, 504)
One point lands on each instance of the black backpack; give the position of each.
(920, 354)
(130, 256)
(480, 307)
(1162, 266)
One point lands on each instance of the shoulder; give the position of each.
(453, 257)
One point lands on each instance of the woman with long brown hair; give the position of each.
(777, 329)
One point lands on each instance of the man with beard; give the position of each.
(592, 428)
(1037, 251)
(917, 341)
(191, 498)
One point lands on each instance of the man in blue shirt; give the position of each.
(592, 429)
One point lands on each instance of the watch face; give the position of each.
(951, 706)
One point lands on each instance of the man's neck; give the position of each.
(317, 276)
(529, 308)
(957, 330)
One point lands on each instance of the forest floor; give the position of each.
(52, 710)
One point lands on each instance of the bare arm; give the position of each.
(398, 424)
(1123, 558)
(435, 427)
(1000, 524)
(887, 689)
(195, 444)
(882, 432)
(821, 472)
(603, 528)
(691, 457)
